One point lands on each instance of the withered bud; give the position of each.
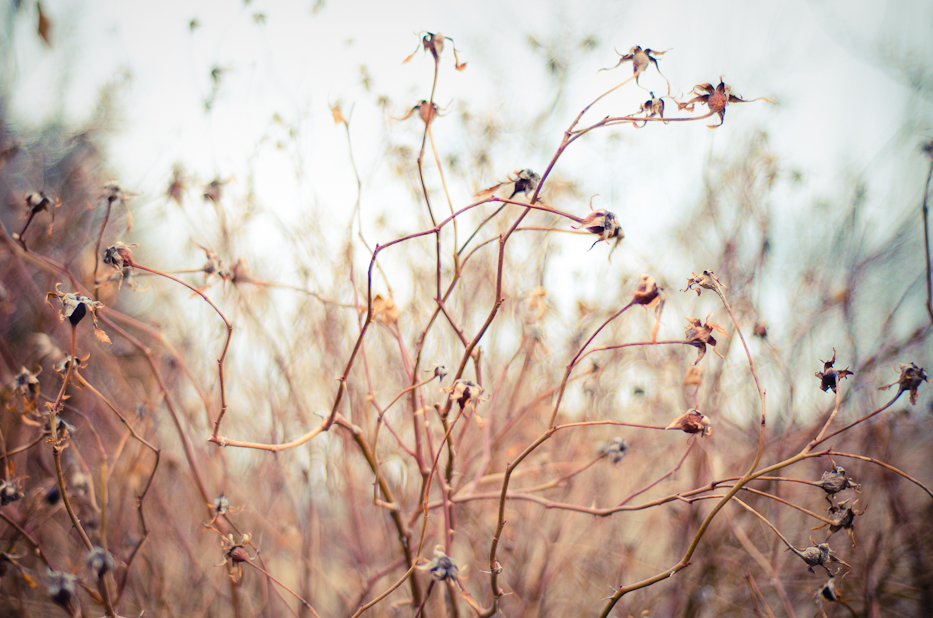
(119, 255)
(600, 222)
(830, 377)
(615, 450)
(100, 561)
(693, 422)
(62, 589)
(760, 330)
(910, 380)
(9, 492)
(707, 279)
(648, 293)
(464, 391)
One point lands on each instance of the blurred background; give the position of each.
(260, 152)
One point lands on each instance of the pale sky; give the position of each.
(850, 81)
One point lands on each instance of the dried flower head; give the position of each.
(716, 99)
(75, 307)
(641, 59)
(829, 592)
(648, 293)
(63, 590)
(100, 561)
(602, 223)
(651, 108)
(439, 371)
(464, 392)
(441, 567)
(910, 380)
(35, 203)
(385, 311)
(214, 191)
(836, 481)
(119, 255)
(707, 279)
(434, 43)
(61, 367)
(26, 385)
(843, 517)
(693, 422)
(830, 376)
(699, 335)
(10, 491)
(426, 111)
(221, 505)
(818, 555)
(524, 181)
(760, 330)
(214, 265)
(177, 187)
(113, 192)
(235, 554)
(615, 450)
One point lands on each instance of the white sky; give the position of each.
(836, 71)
